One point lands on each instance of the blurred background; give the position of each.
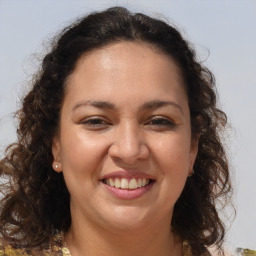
(222, 31)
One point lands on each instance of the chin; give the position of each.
(128, 218)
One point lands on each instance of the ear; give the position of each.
(193, 154)
(56, 165)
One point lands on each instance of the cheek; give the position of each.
(83, 158)
(173, 152)
(81, 152)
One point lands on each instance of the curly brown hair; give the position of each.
(36, 200)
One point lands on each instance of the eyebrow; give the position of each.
(151, 105)
(155, 104)
(97, 104)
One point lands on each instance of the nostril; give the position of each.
(128, 153)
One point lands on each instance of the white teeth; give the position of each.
(139, 183)
(133, 184)
(111, 182)
(124, 183)
(117, 183)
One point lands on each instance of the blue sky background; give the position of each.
(222, 31)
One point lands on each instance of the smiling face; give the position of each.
(124, 144)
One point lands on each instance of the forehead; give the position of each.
(125, 68)
(125, 56)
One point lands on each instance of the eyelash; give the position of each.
(156, 121)
(161, 121)
(94, 122)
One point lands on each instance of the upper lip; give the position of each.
(127, 174)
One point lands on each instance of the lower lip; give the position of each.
(128, 193)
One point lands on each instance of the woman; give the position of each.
(119, 149)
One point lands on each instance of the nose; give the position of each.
(129, 144)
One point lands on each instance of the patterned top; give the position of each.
(245, 252)
(57, 248)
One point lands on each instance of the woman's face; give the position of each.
(125, 143)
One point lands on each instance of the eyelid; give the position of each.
(170, 122)
(87, 120)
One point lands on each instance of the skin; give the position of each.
(129, 136)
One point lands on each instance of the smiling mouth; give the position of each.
(123, 183)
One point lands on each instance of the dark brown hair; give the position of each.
(36, 201)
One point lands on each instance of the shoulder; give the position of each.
(246, 252)
(8, 250)
(211, 251)
(54, 248)
(227, 252)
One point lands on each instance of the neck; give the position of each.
(89, 239)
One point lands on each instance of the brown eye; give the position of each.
(161, 121)
(95, 123)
